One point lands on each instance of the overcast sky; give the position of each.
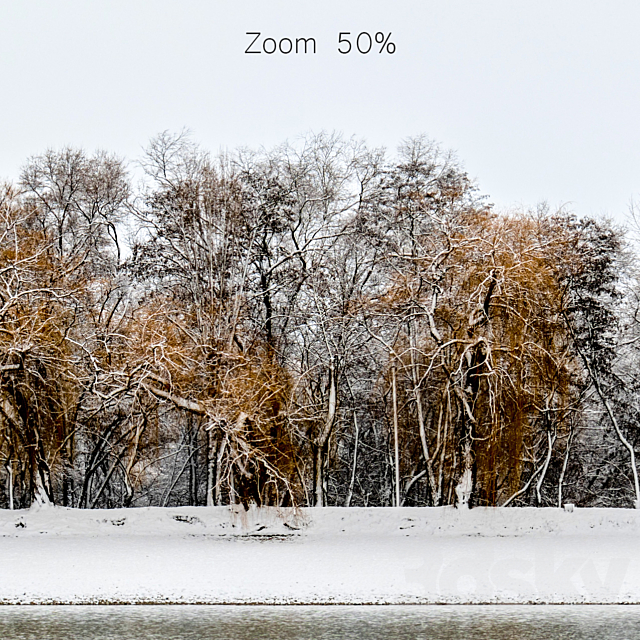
(540, 99)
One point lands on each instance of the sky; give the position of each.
(540, 99)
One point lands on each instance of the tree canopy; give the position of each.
(317, 324)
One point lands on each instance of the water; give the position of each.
(164, 622)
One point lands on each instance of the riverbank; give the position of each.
(319, 556)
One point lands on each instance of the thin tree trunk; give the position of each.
(212, 451)
(564, 465)
(464, 488)
(232, 485)
(42, 479)
(425, 446)
(132, 458)
(410, 485)
(175, 481)
(347, 502)
(525, 488)
(443, 451)
(322, 441)
(10, 470)
(174, 467)
(627, 444)
(395, 434)
(454, 466)
(550, 442)
(421, 424)
(193, 463)
(219, 458)
(106, 480)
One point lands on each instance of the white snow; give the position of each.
(356, 555)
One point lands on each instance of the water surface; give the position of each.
(184, 622)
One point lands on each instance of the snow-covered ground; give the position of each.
(376, 555)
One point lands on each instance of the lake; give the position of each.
(169, 622)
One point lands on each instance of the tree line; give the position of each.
(317, 324)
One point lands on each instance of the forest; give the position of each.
(318, 324)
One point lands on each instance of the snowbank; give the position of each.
(378, 555)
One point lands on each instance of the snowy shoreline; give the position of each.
(225, 555)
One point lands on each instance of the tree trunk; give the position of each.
(564, 465)
(218, 485)
(396, 453)
(321, 445)
(464, 488)
(212, 452)
(421, 424)
(232, 486)
(550, 442)
(10, 482)
(193, 462)
(347, 501)
(41, 497)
